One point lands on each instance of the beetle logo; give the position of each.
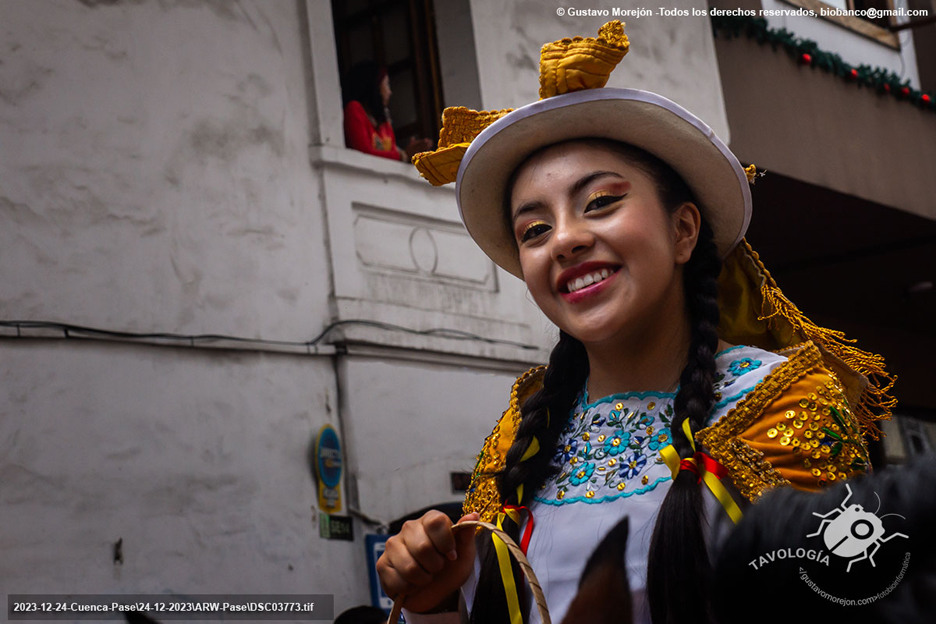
(852, 532)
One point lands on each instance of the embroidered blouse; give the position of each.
(780, 419)
(610, 466)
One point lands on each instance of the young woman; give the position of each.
(367, 125)
(663, 400)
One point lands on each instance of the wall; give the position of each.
(195, 459)
(672, 56)
(134, 133)
(155, 178)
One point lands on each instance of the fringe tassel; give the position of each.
(876, 402)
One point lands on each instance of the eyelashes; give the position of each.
(599, 200)
(533, 230)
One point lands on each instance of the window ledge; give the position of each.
(854, 24)
(353, 160)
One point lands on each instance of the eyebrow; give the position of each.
(573, 190)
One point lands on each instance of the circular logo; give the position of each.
(328, 457)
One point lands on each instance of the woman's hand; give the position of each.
(427, 562)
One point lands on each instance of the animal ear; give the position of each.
(609, 553)
(604, 595)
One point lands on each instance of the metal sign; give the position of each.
(327, 465)
(334, 527)
(375, 547)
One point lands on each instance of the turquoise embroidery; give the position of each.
(605, 453)
(660, 439)
(603, 499)
(610, 448)
(742, 366)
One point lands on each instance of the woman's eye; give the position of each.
(603, 201)
(533, 230)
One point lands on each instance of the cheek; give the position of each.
(536, 274)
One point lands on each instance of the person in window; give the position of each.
(367, 124)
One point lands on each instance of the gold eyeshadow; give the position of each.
(529, 227)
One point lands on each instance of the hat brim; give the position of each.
(640, 118)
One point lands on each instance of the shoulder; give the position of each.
(738, 372)
(795, 427)
(354, 109)
(483, 496)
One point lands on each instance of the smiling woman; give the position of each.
(600, 252)
(683, 385)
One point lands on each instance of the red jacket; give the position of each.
(361, 135)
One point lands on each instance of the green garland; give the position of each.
(807, 52)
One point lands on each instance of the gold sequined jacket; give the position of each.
(770, 438)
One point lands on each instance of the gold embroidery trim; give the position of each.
(751, 473)
(809, 431)
(483, 495)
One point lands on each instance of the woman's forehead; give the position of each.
(564, 163)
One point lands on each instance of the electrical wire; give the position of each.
(76, 331)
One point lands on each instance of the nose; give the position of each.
(571, 236)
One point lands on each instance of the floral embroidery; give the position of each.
(584, 474)
(635, 463)
(610, 448)
(660, 439)
(742, 366)
(568, 451)
(602, 451)
(617, 444)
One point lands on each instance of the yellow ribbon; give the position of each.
(532, 450)
(672, 460)
(503, 562)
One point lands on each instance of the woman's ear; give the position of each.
(687, 221)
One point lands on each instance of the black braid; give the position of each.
(678, 568)
(565, 376)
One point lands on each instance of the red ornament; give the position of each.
(905, 92)
(926, 98)
(886, 88)
(853, 74)
(805, 59)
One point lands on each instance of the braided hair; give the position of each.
(678, 565)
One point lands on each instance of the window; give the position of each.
(398, 35)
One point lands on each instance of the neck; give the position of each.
(639, 363)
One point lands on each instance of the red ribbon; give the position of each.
(528, 532)
(709, 464)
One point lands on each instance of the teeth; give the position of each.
(587, 280)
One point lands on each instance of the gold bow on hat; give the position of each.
(566, 66)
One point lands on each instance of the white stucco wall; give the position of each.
(196, 459)
(413, 424)
(672, 56)
(155, 172)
